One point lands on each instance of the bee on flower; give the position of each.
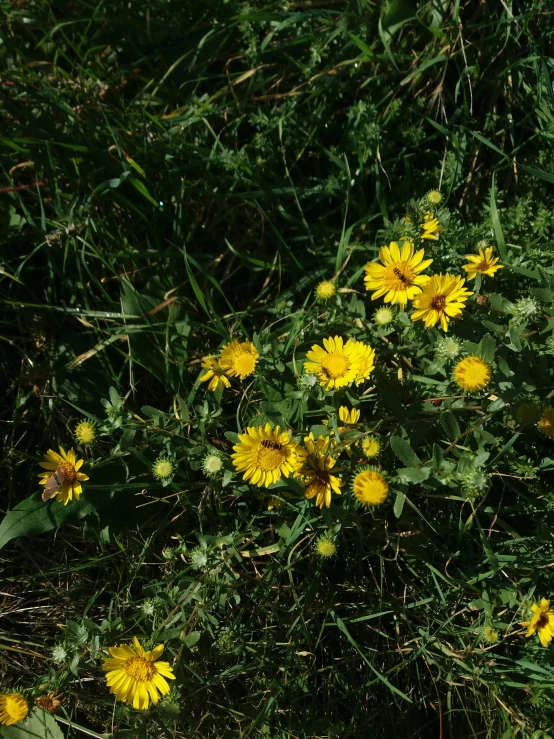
(62, 479)
(398, 278)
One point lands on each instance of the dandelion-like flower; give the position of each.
(483, 263)
(216, 377)
(527, 410)
(50, 702)
(371, 446)
(443, 297)
(370, 487)
(325, 290)
(264, 455)
(337, 363)
(489, 634)
(239, 358)
(383, 316)
(163, 468)
(13, 708)
(324, 546)
(542, 622)
(472, 374)
(546, 421)
(448, 348)
(62, 479)
(212, 464)
(316, 470)
(431, 227)
(434, 198)
(85, 432)
(135, 676)
(398, 276)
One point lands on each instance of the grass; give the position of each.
(174, 174)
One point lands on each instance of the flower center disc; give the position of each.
(335, 365)
(244, 363)
(399, 276)
(67, 473)
(483, 267)
(140, 669)
(269, 458)
(439, 302)
(543, 621)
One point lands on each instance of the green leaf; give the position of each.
(496, 224)
(32, 516)
(413, 474)
(38, 725)
(543, 294)
(399, 504)
(191, 639)
(404, 451)
(450, 425)
(487, 348)
(232, 437)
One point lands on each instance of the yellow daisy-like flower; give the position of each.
(316, 464)
(239, 358)
(62, 480)
(337, 364)
(431, 228)
(85, 433)
(546, 421)
(325, 290)
(13, 708)
(214, 375)
(472, 373)
(398, 276)
(135, 676)
(351, 416)
(366, 357)
(484, 262)
(443, 297)
(371, 447)
(370, 487)
(541, 622)
(264, 455)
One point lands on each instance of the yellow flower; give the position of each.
(472, 373)
(546, 421)
(325, 290)
(337, 364)
(542, 622)
(63, 480)
(489, 634)
(431, 227)
(397, 277)
(370, 487)
(484, 263)
(325, 546)
(367, 361)
(315, 468)
(135, 676)
(443, 298)
(264, 455)
(434, 197)
(13, 708)
(163, 468)
(239, 358)
(214, 374)
(85, 433)
(371, 447)
(349, 416)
